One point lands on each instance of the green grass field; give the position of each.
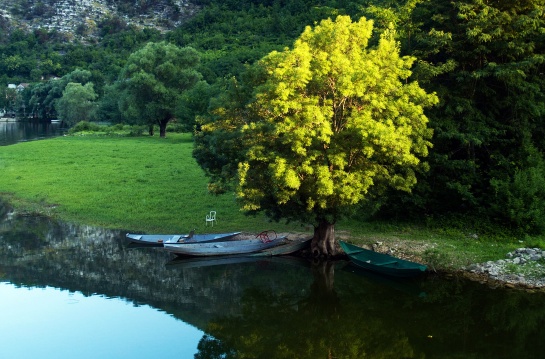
(136, 183)
(153, 185)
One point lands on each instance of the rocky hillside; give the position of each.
(82, 19)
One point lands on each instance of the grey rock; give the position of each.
(497, 270)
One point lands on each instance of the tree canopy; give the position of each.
(485, 61)
(45, 95)
(153, 80)
(77, 103)
(333, 123)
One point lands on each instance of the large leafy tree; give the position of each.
(45, 95)
(485, 59)
(77, 103)
(153, 80)
(333, 123)
(193, 103)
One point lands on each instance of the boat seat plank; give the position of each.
(356, 252)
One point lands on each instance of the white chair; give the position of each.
(211, 218)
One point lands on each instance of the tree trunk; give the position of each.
(163, 128)
(323, 242)
(150, 130)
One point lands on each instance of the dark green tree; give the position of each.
(43, 101)
(152, 82)
(219, 142)
(194, 103)
(485, 61)
(108, 107)
(77, 103)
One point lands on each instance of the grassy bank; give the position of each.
(138, 183)
(152, 185)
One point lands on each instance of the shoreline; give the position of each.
(522, 269)
(500, 282)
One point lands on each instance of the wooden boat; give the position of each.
(221, 248)
(381, 263)
(159, 239)
(289, 247)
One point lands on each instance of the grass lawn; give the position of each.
(153, 185)
(136, 183)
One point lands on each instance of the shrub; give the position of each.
(520, 199)
(136, 131)
(85, 126)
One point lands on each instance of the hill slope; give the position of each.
(79, 19)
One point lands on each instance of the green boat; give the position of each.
(381, 263)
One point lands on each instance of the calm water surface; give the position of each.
(70, 291)
(73, 325)
(14, 132)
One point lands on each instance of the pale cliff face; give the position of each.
(80, 18)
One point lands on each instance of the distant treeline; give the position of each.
(485, 61)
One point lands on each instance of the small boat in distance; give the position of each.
(158, 240)
(381, 263)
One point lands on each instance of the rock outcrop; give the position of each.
(81, 19)
(522, 267)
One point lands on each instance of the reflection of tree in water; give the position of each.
(467, 319)
(271, 310)
(368, 317)
(277, 325)
(212, 348)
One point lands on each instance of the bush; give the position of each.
(115, 130)
(85, 126)
(176, 127)
(520, 199)
(136, 131)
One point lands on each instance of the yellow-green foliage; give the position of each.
(337, 119)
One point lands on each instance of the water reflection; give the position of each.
(14, 132)
(37, 321)
(279, 307)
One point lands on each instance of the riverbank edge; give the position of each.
(478, 272)
(496, 283)
(489, 273)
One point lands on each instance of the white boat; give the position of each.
(160, 239)
(288, 247)
(221, 248)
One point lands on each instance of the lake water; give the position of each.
(69, 324)
(14, 132)
(69, 291)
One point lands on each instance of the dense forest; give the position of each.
(483, 59)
